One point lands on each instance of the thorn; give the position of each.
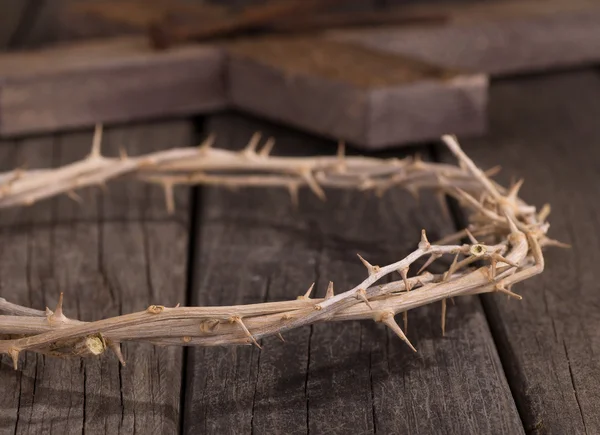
(329, 293)
(499, 257)
(208, 142)
(341, 154)
(493, 171)
(14, 354)
(467, 197)
(370, 268)
(266, 150)
(511, 224)
(443, 317)
(58, 311)
(313, 184)
(169, 196)
(430, 260)
(238, 320)
(544, 213)
(366, 184)
(388, 319)
(96, 141)
(424, 243)
(341, 150)
(552, 242)
(514, 190)
(74, 196)
(293, 190)
(362, 295)
(405, 319)
(280, 337)
(500, 288)
(472, 238)
(252, 144)
(404, 274)
(115, 346)
(308, 292)
(452, 267)
(418, 160)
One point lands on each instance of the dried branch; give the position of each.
(512, 233)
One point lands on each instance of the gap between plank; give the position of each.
(194, 224)
(459, 221)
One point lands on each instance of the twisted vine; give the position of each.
(506, 237)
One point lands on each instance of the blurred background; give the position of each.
(516, 81)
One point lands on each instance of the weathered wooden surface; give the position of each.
(354, 377)
(120, 80)
(108, 260)
(104, 81)
(373, 100)
(77, 19)
(497, 38)
(343, 91)
(546, 130)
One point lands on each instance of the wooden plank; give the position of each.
(252, 246)
(546, 130)
(77, 19)
(496, 38)
(121, 79)
(345, 92)
(106, 263)
(372, 100)
(102, 18)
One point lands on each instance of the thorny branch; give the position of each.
(506, 237)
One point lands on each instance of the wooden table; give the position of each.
(503, 367)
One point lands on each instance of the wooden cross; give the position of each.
(373, 88)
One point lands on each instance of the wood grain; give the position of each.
(546, 130)
(77, 19)
(497, 38)
(107, 262)
(351, 378)
(116, 80)
(345, 92)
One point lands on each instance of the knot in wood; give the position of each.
(209, 325)
(155, 309)
(477, 250)
(95, 344)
